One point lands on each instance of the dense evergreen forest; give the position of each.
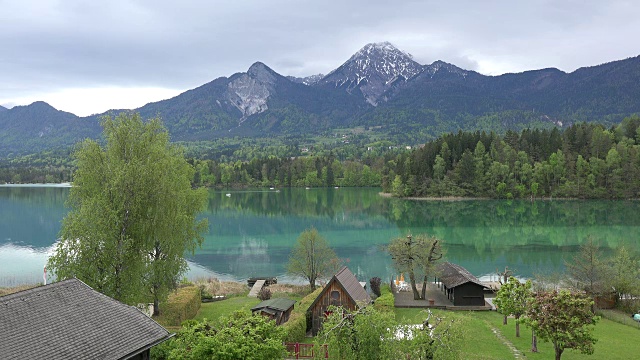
(585, 160)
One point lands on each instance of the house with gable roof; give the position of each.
(460, 286)
(70, 320)
(344, 290)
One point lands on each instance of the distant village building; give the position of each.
(276, 309)
(70, 320)
(344, 290)
(460, 286)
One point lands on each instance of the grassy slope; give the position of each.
(479, 341)
(214, 310)
(615, 341)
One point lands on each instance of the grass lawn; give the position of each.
(615, 340)
(214, 310)
(479, 341)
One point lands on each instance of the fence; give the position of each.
(303, 351)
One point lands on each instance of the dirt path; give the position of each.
(516, 353)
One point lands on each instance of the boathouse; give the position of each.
(460, 286)
(344, 290)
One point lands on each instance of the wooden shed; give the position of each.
(460, 286)
(342, 290)
(276, 309)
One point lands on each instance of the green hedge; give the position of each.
(385, 302)
(296, 327)
(181, 305)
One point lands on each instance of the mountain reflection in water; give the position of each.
(251, 233)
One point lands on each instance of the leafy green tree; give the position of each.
(133, 213)
(438, 168)
(398, 187)
(357, 334)
(367, 333)
(416, 255)
(238, 336)
(624, 274)
(312, 258)
(513, 299)
(565, 319)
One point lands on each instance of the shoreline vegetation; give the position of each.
(581, 161)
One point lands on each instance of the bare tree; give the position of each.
(416, 256)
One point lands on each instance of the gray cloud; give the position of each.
(48, 45)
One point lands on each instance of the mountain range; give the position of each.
(378, 87)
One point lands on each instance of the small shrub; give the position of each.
(204, 294)
(264, 294)
(375, 285)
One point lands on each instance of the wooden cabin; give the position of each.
(275, 309)
(460, 286)
(344, 290)
(70, 320)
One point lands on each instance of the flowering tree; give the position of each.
(565, 319)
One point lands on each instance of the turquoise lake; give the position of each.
(251, 232)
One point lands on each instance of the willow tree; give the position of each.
(133, 213)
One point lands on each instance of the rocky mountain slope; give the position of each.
(379, 86)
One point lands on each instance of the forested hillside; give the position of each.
(585, 160)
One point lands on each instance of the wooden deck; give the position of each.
(404, 299)
(256, 288)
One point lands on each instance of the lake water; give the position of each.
(251, 232)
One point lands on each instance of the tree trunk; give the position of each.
(534, 341)
(156, 306)
(424, 287)
(558, 351)
(312, 283)
(517, 327)
(504, 320)
(412, 279)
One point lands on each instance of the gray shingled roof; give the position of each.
(453, 275)
(352, 286)
(280, 304)
(70, 320)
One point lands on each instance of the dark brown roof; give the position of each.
(70, 320)
(280, 304)
(453, 275)
(350, 284)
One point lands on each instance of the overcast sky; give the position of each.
(86, 56)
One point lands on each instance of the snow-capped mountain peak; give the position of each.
(307, 80)
(373, 70)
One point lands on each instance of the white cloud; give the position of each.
(89, 101)
(53, 47)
